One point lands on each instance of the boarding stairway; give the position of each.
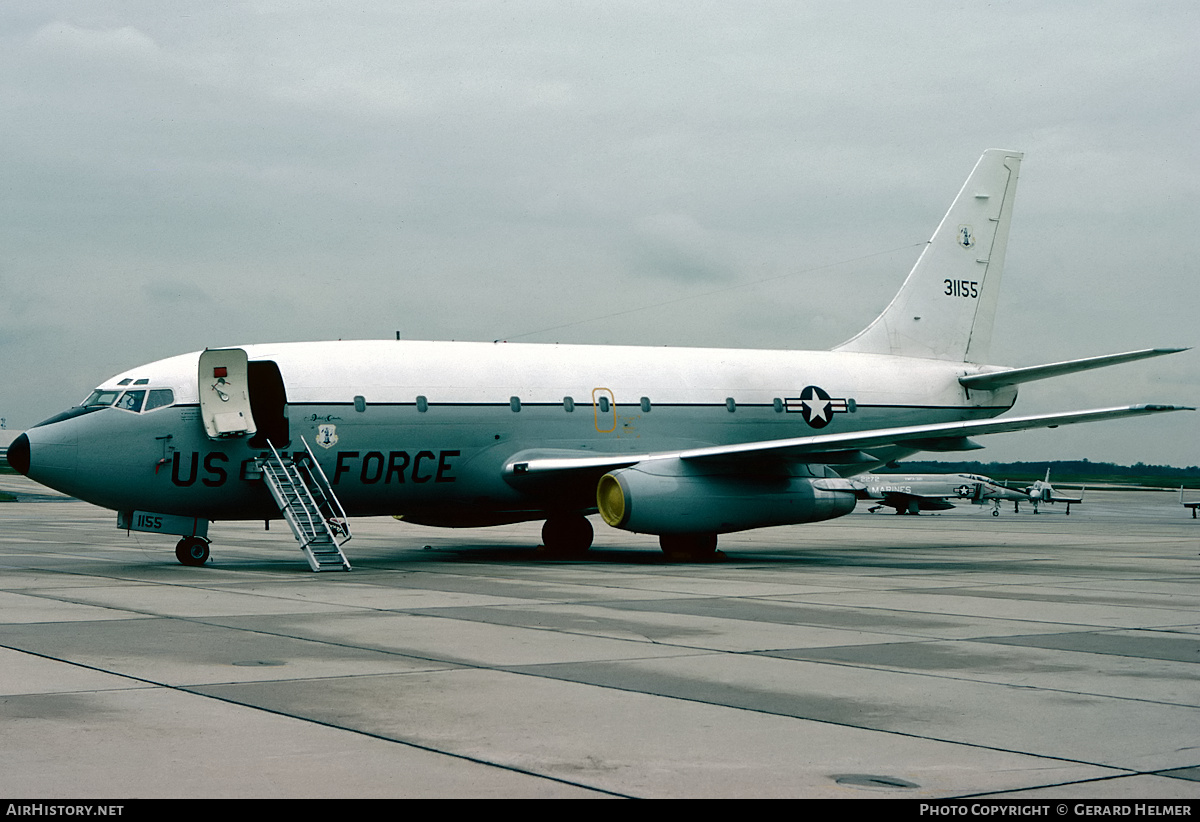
(307, 502)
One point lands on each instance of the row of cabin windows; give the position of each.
(604, 404)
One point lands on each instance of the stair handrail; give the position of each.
(287, 509)
(339, 523)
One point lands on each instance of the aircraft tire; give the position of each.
(192, 551)
(694, 547)
(567, 536)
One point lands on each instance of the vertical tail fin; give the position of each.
(945, 308)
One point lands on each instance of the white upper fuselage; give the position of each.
(392, 372)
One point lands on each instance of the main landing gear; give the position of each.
(192, 551)
(567, 535)
(694, 547)
(571, 536)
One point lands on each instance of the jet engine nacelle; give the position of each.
(678, 497)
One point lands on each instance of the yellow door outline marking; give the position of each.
(599, 394)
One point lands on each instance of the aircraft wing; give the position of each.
(821, 447)
(997, 492)
(1057, 498)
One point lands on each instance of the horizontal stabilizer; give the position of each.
(1012, 376)
(807, 447)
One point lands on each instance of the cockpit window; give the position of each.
(100, 397)
(160, 398)
(132, 400)
(136, 400)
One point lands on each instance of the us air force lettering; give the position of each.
(682, 443)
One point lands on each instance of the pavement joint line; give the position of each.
(310, 720)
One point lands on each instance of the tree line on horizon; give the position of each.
(1067, 471)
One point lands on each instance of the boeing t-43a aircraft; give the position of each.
(683, 443)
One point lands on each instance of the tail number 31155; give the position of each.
(961, 288)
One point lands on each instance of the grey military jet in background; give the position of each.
(913, 493)
(1042, 491)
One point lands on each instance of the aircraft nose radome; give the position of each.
(18, 454)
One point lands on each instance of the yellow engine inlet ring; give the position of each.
(610, 499)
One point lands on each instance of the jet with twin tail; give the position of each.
(682, 443)
(914, 493)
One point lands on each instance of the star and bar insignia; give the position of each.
(816, 405)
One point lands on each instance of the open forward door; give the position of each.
(225, 393)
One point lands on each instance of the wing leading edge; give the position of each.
(820, 447)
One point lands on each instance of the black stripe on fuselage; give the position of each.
(637, 406)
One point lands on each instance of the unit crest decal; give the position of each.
(327, 435)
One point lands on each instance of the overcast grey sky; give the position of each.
(753, 175)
